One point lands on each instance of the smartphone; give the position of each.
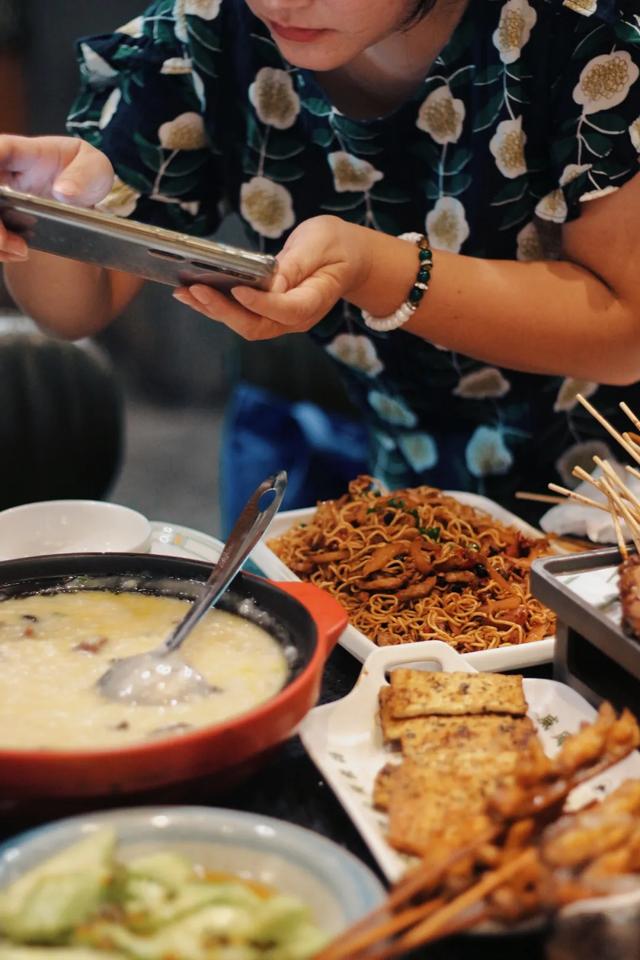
(150, 252)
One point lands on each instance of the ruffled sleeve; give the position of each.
(147, 100)
(595, 105)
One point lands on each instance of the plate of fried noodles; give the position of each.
(420, 564)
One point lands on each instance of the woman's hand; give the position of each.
(323, 259)
(64, 168)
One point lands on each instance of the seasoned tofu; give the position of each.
(468, 733)
(416, 693)
(423, 805)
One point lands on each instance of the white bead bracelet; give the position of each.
(410, 305)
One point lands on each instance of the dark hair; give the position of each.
(420, 9)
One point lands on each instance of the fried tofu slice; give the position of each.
(492, 732)
(425, 803)
(416, 693)
(382, 786)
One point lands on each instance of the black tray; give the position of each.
(593, 654)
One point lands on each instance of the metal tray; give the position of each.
(593, 653)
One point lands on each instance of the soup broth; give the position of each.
(55, 647)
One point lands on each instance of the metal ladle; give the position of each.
(161, 676)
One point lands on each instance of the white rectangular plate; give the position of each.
(344, 740)
(508, 657)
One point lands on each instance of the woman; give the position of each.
(508, 130)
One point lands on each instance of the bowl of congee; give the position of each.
(66, 619)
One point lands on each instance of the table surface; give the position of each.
(291, 788)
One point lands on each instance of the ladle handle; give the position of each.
(246, 533)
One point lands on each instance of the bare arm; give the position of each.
(576, 317)
(579, 316)
(68, 298)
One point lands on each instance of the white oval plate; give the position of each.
(508, 657)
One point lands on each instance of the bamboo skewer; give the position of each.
(622, 547)
(607, 469)
(538, 497)
(635, 455)
(632, 523)
(620, 501)
(578, 497)
(629, 412)
(435, 925)
(442, 916)
(631, 437)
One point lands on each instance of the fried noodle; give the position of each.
(416, 564)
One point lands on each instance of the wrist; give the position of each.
(359, 243)
(392, 261)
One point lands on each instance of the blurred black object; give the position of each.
(13, 25)
(61, 417)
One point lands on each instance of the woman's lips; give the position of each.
(296, 34)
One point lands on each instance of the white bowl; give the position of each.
(71, 526)
(338, 888)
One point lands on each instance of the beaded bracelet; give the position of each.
(410, 305)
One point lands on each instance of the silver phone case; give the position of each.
(154, 253)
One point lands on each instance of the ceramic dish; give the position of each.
(71, 526)
(300, 616)
(338, 888)
(175, 540)
(344, 740)
(509, 657)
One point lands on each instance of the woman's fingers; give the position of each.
(217, 306)
(86, 179)
(64, 167)
(298, 309)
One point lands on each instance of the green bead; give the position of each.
(425, 255)
(416, 294)
(424, 275)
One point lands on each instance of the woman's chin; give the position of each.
(321, 54)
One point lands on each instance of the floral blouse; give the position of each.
(531, 109)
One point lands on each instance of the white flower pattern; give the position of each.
(634, 133)
(275, 101)
(482, 384)
(96, 66)
(419, 449)
(487, 454)
(391, 409)
(507, 146)
(267, 206)
(585, 7)
(572, 171)
(357, 352)
(206, 9)
(580, 455)
(185, 132)
(442, 115)
(517, 18)
(605, 81)
(121, 201)
(133, 28)
(553, 207)
(567, 397)
(176, 66)
(350, 173)
(529, 243)
(447, 225)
